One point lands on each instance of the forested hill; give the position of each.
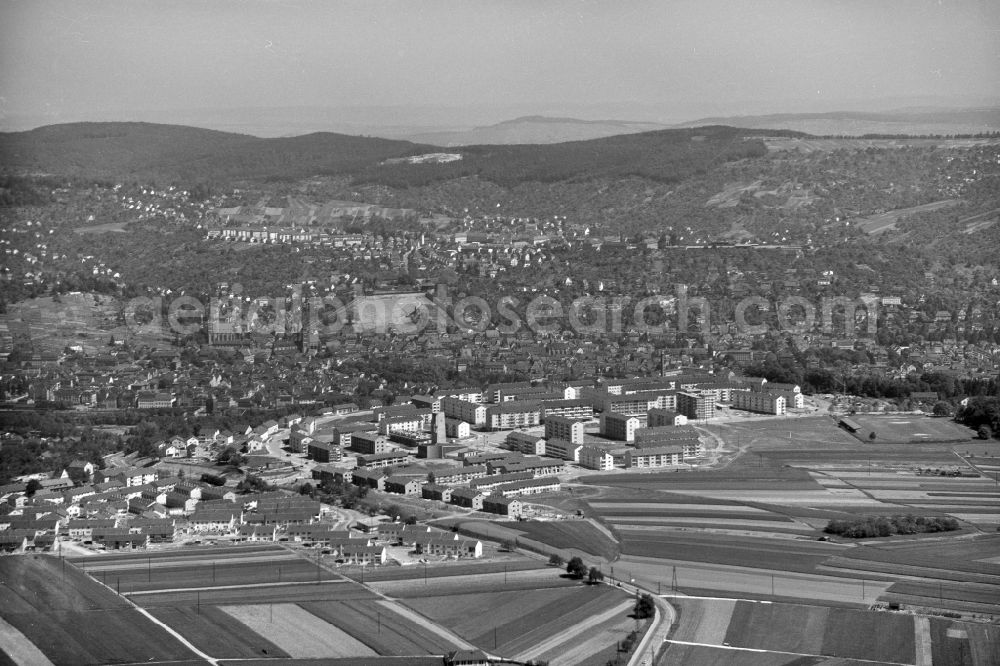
(174, 152)
(183, 155)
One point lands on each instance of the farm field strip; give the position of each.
(626, 521)
(641, 516)
(896, 572)
(244, 586)
(666, 528)
(729, 581)
(596, 648)
(182, 562)
(270, 594)
(783, 498)
(703, 620)
(556, 619)
(298, 632)
(450, 570)
(416, 618)
(978, 518)
(666, 506)
(216, 632)
(393, 634)
(587, 626)
(549, 577)
(138, 580)
(956, 591)
(19, 647)
(217, 552)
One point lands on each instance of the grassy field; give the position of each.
(75, 620)
(903, 428)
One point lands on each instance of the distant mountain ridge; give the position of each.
(536, 130)
(916, 120)
(185, 154)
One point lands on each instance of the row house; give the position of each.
(449, 545)
(494, 480)
(403, 485)
(383, 460)
(503, 506)
(371, 478)
(459, 475)
(436, 492)
(537, 466)
(544, 484)
(655, 456)
(573, 408)
(469, 498)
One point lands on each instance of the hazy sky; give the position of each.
(661, 59)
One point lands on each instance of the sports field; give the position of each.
(911, 428)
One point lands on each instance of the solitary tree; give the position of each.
(595, 576)
(984, 432)
(644, 606)
(942, 408)
(33, 486)
(576, 568)
(556, 560)
(872, 436)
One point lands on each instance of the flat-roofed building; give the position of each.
(664, 417)
(513, 414)
(561, 427)
(698, 405)
(656, 456)
(620, 426)
(762, 402)
(524, 442)
(464, 410)
(561, 448)
(369, 442)
(593, 457)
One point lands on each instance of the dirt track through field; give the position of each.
(566, 636)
